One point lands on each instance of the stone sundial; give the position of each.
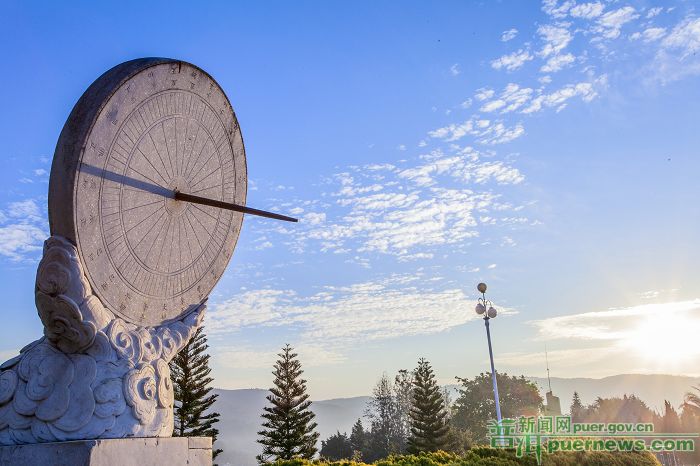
(144, 137)
(146, 201)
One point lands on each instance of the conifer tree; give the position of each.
(289, 430)
(358, 440)
(429, 429)
(576, 409)
(336, 447)
(192, 386)
(670, 421)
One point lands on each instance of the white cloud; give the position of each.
(557, 62)
(642, 337)
(453, 132)
(418, 209)
(509, 35)
(651, 294)
(350, 189)
(498, 133)
(512, 98)
(379, 166)
(512, 61)
(416, 256)
(677, 55)
(466, 104)
(555, 38)
(639, 338)
(465, 169)
(499, 172)
(383, 309)
(485, 131)
(454, 69)
(654, 12)
(508, 241)
(613, 324)
(22, 230)
(492, 105)
(652, 34)
(261, 245)
(587, 10)
(585, 90)
(610, 24)
(314, 218)
(554, 9)
(19, 240)
(27, 209)
(649, 34)
(484, 93)
(685, 37)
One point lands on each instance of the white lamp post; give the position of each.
(485, 308)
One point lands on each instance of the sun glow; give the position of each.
(665, 338)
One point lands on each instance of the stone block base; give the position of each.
(173, 451)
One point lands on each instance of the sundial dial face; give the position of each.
(143, 130)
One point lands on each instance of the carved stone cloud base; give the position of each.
(92, 375)
(175, 451)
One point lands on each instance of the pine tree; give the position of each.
(670, 421)
(358, 440)
(192, 386)
(289, 427)
(429, 428)
(576, 409)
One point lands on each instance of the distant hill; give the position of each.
(240, 409)
(240, 421)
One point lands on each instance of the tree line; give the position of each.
(630, 409)
(412, 414)
(409, 413)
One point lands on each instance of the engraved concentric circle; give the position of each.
(164, 126)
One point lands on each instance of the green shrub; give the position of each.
(600, 458)
(485, 456)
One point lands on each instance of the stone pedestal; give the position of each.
(174, 451)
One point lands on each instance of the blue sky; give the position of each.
(549, 149)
